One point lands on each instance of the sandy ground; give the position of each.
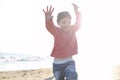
(46, 74)
(39, 74)
(116, 72)
(42, 74)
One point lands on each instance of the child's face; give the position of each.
(65, 23)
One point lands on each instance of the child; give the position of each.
(65, 43)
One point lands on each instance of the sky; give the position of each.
(22, 30)
(22, 27)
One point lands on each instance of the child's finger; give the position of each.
(44, 11)
(52, 10)
(73, 4)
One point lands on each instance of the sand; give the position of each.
(38, 74)
(43, 74)
(116, 72)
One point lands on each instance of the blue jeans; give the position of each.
(65, 71)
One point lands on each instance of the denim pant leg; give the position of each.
(70, 71)
(58, 70)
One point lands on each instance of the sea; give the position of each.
(14, 61)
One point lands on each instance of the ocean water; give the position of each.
(11, 62)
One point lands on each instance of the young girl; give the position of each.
(65, 42)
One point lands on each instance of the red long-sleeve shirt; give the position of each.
(65, 42)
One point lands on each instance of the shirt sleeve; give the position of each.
(50, 26)
(77, 24)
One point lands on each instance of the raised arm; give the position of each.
(48, 19)
(77, 24)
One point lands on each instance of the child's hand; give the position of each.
(48, 12)
(75, 8)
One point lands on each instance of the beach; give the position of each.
(116, 72)
(36, 74)
(46, 74)
(27, 68)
